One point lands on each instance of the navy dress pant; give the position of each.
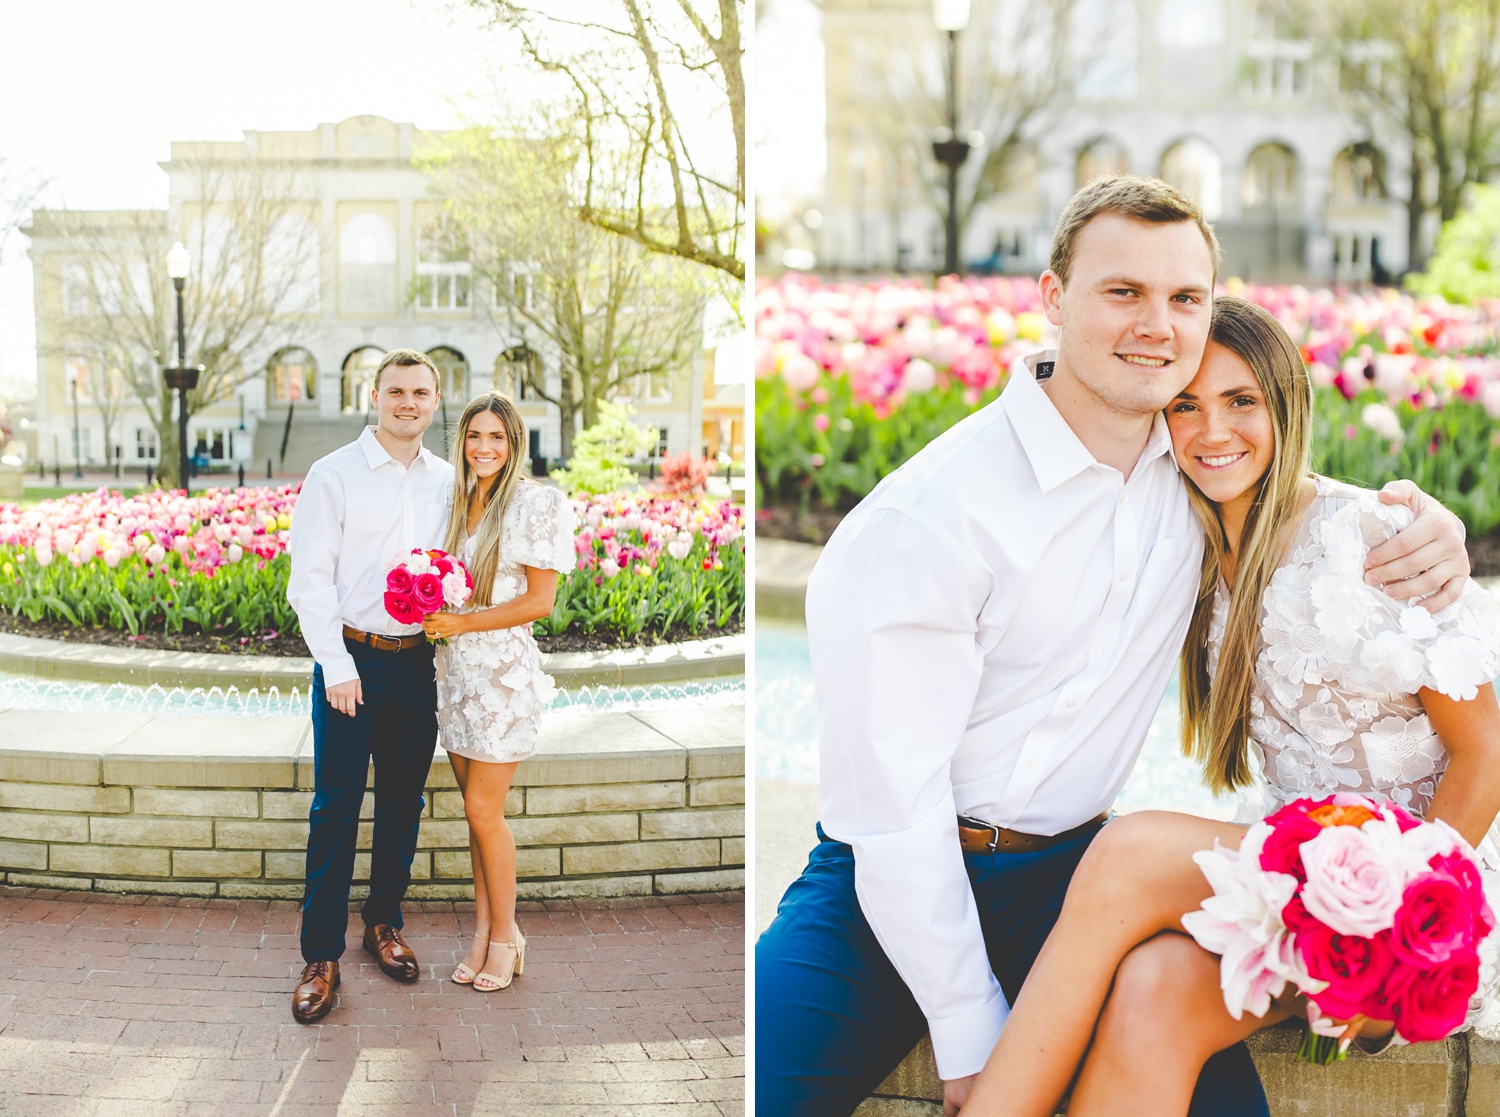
(396, 728)
(833, 1017)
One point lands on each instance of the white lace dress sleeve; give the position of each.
(539, 530)
(491, 686)
(1338, 667)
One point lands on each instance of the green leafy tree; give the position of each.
(600, 452)
(1466, 265)
(611, 310)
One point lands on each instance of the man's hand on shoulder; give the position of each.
(1426, 558)
(956, 1094)
(343, 697)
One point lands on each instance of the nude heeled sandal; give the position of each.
(462, 975)
(517, 949)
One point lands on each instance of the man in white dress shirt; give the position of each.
(374, 691)
(991, 632)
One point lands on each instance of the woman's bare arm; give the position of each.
(533, 605)
(1468, 795)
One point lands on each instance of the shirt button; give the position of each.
(1124, 576)
(1072, 702)
(1031, 763)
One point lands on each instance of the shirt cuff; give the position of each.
(341, 669)
(963, 1043)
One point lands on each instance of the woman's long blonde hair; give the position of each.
(496, 500)
(1216, 719)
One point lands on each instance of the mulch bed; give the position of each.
(292, 645)
(818, 525)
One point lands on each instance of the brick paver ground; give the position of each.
(161, 1007)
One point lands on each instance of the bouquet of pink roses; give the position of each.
(1364, 908)
(423, 583)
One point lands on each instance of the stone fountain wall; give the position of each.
(614, 804)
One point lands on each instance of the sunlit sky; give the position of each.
(789, 105)
(97, 90)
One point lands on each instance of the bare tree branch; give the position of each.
(631, 81)
(252, 285)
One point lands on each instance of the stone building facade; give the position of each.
(1221, 97)
(364, 266)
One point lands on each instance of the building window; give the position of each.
(1191, 23)
(1195, 168)
(443, 267)
(211, 444)
(79, 378)
(1104, 46)
(83, 450)
(145, 444)
(653, 387)
(291, 375)
(1279, 58)
(291, 265)
(75, 290)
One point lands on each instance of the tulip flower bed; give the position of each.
(852, 379)
(217, 562)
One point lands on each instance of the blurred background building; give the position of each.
(315, 253)
(1227, 99)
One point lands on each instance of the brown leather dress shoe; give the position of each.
(313, 996)
(391, 951)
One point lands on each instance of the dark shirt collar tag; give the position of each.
(1044, 369)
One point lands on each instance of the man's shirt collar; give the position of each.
(377, 455)
(1054, 450)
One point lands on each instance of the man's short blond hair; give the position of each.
(1144, 199)
(407, 358)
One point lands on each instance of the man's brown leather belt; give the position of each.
(385, 643)
(977, 836)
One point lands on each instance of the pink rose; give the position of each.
(427, 592)
(402, 608)
(1436, 920)
(1351, 884)
(1462, 868)
(443, 565)
(1282, 852)
(398, 580)
(1354, 968)
(1436, 1003)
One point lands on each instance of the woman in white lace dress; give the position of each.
(1299, 680)
(514, 536)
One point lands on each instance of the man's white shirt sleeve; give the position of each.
(316, 532)
(892, 618)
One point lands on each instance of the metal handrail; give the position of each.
(286, 434)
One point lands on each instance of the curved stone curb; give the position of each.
(102, 663)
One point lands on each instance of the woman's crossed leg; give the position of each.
(1137, 880)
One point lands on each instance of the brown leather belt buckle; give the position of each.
(977, 836)
(382, 643)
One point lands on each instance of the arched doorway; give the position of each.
(1269, 188)
(453, 374)
(1100, 157)
(291, 376)
(453, 381)
(1359, 174)
(1195, 167)
(360, 367)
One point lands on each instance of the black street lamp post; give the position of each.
(77, 441)
(951, 16)
(183, 377)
